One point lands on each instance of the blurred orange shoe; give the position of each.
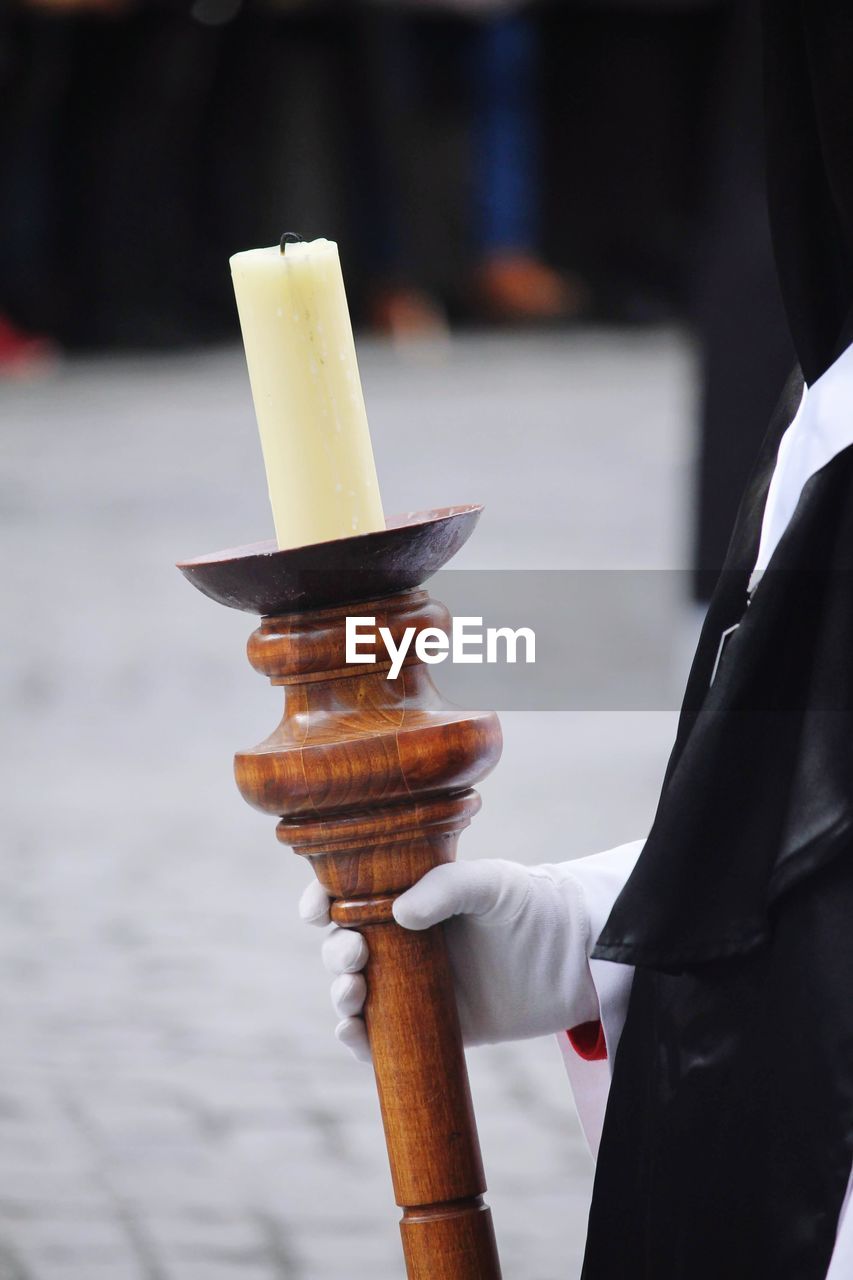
(518, 287)
(407, 315)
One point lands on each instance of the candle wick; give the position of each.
(290, 237)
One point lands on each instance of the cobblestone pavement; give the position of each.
(172, 1103)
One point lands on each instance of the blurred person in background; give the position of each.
(95, 156)
(512, 281)
(428, 132)
(33, 67)
(492, 47)
(659, 108)
(745, 347)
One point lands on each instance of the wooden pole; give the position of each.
(371, 778)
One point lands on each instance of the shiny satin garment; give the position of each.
(728, 1135)
(729, 1129)
(759, 788)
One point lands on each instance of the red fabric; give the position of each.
(587, 1040)
(19, 351)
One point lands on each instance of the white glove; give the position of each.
(518, 939)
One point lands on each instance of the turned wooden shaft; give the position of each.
(426, 1103)
(422, 1081)
(426, 1106)
(372, 780)
(365, 860)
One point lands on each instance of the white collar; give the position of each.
(821, 428)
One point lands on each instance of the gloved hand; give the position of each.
(518, 939)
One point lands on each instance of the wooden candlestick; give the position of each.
(372, 779)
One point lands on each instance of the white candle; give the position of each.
(307, 392)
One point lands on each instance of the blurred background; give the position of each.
(552, 226)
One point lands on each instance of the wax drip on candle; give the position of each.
(290, 237)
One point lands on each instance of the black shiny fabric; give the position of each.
(808, 47)
(728, 1134)
(759, 789)
(728, 1138)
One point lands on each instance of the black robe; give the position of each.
(728, 1139)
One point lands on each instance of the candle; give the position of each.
(307, 392)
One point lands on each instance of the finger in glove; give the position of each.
(348, 994)
(344, 951)
(352, 1033)
(493, 890)
(314, 904)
